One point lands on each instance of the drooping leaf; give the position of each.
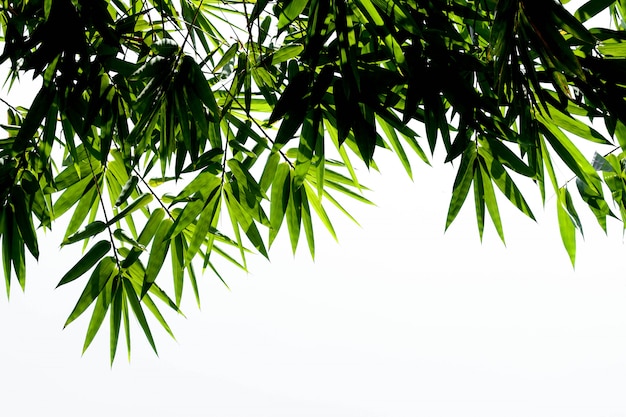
(462, 183)
(566, 226)
(104, 271)
(93, 256)
(158, 252)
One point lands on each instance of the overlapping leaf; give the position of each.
(250, 118)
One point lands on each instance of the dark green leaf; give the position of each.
(85, 263)
(103, 272)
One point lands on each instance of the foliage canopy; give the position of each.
(257, 111)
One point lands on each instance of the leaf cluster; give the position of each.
(259, 112)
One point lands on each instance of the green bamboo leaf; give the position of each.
(126, 320)
(569, 153)
(479, 202)
(178, 267)
(155, 67)
(34, 118)
(613, 49)
(286, 53)
(571, 210)
(6, 229)
(24, 219)
(192, 278)
(122, 236)
(99, 313)
(72, 195)
(47, 6)
(127, 190)
(307, 221)
(292, 98)
(507, 157)
(242, 218)
(187, 216)
(279, 199)
(18, 258)
(93, 256)
(462, 183)
(113, 185)
(103, 272)
(204, 183)
(391, 134)
(85, 203)
(335, 203)
(548, 163)
(566, 226)
(576, 127)
(165, 47)
(211, 160)
(344, 156)
(595, 201)
(245, 179)
(294, 215)
(319, 210)
(309, 136)
(227, 57)
(505, 183)
(133, 300)
(336, 186)
(572, 24)
(115, 320)
(290, 11)
(259, 7)
(491, 202)
(381, 27)
(90, 230)
(207, 219)
(138, 203)
(269, 171)
(407, 134)
(620, 134)
(80, 164)
(158, 252)
(157, 314)
(200, 85)
(145, 236)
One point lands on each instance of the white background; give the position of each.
(397, 319)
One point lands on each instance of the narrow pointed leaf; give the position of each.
(105, 270)
(93, 256)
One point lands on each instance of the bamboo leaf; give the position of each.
(127, 190)
(505, 183)
(138, 203)
(6, 227)
(479, 202)
(24, 220)
(279, 199)
(491, 201)
(90, 230)
(115, 320)
(566, 226)
(133, 300)
(93, 256)
(99, 313)
(145, 236)
(294, 215)
(462, 183)
(103, 272)
(158, 252)
(178, 267)
(207, 218)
